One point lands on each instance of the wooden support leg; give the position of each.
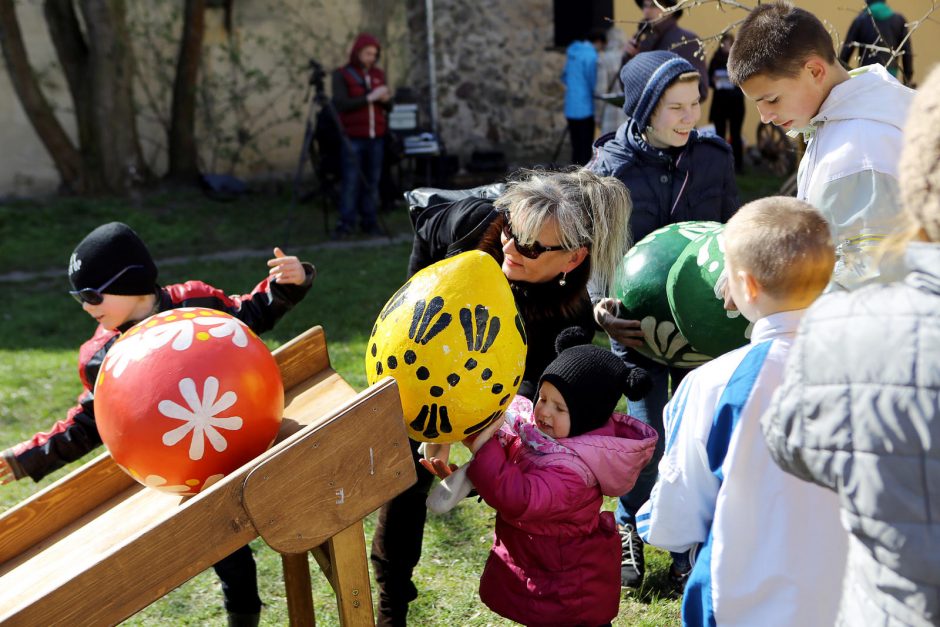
(349, 575)
(299, 591)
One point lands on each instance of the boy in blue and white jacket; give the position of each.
(771, 550)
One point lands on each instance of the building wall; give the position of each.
(498, 81)
(708, 19)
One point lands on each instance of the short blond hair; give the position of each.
(784, 243)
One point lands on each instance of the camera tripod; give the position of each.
(320, 103)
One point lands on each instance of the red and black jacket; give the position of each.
(351, 84)
(77, 434)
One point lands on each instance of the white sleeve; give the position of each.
(682, 503)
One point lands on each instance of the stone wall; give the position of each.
(498, 86)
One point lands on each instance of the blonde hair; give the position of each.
(919, 166)
(784, 243)
(589, 210)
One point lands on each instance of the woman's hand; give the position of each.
(627, 332)
(435, 460)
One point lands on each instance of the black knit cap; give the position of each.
(104, 253)
(645, 78)
(591, 380)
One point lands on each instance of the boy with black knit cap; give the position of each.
(114, 278)
(555, 559)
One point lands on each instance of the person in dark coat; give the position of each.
(727, 108)
(362, 99)
(673, 174)
(660, 30)
(549, 232)
(878, 26)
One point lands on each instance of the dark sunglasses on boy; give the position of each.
(530, 251)
(94, 296)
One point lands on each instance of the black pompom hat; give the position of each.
(591, 380)
(104, 253)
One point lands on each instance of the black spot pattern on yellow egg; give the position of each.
(483, 423)
(410, 357)
(521, 329)
(503, 400)
(486, 374)
(392, 362)
(422, 373)
(475, 328)
(426, 422)
(437, 391)
(395, 301)
(471, 364)
(422, 317)
(515, 381)
(378, 368)
(375, 350)
(497, 388)
(375, 328)
(453, 379)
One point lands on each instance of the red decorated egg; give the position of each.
(187, 396)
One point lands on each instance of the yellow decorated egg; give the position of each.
(453, 339)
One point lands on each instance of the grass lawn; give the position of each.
(42, 329)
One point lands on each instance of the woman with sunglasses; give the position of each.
(550, 232)
(673, 174)
(115, 282)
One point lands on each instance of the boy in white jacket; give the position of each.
(784, 60)
(771, 548)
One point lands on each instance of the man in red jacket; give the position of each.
(362, 100)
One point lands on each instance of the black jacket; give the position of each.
(77, 435)
(696, 184)
(450, 228)
(887, 33)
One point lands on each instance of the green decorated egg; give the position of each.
(695, 301)
(453, 339)
(640, 286)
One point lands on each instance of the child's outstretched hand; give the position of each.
(6, 473)
(477, 440)
(285, 269)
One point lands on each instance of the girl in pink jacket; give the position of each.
(556, 557)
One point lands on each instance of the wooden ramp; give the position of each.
(96, 546)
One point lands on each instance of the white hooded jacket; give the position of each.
(850, 170)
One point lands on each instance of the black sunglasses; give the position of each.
(96, 296)
(530, 251)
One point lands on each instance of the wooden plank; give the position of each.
(302, 357)
(298, 588)
(53, 508)
(133, 570)
(350, 576)
(342, 469)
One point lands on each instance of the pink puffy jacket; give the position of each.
(556, 556)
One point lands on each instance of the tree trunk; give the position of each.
(113, 119)
(375, 18)
(64, 155)
(183, 155)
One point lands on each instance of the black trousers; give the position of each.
(239, 581)
(727, 114)
(396, 547)
(582, 139)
